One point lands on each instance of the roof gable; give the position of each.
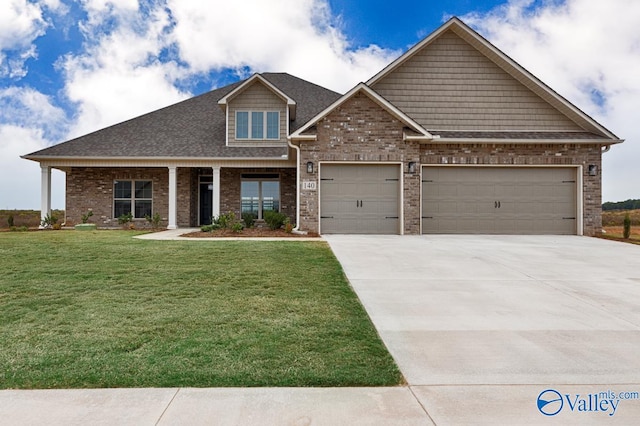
(257, 78)
(375, 97)
(499, 94)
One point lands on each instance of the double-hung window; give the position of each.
(258, 125)
(132, 196)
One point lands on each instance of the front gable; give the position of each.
(362, 91)
(257, 114)
(455, 80)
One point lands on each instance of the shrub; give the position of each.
(125, 218)
(154, 220)
(225, 221)
(288, 226)
(49, 221)
(237, 227)
(10, 221)
(249, 219)
(626, 232)
(208, 228)
(85, 217)
(274, 219)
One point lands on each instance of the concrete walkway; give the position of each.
(479, 325)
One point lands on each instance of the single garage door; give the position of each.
(359, 199)
(498, 200)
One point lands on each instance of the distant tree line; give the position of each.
(622, 205)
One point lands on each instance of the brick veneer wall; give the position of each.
(230, 189)
(531, 155)
(360, 131)
(92, 188)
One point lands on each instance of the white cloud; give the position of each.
(294, 36)
(119, 76)
(28, 122)
(589, 51)
(20, 24)
(20, 179)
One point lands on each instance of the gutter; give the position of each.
(297, 148)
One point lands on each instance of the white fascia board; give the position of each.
(361, 87)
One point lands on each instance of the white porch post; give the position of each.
(45, 192)
(215, 205)
(173, 198)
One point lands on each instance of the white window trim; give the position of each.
(264, 125)
(133, 198)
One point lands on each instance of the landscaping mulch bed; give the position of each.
(250, 232)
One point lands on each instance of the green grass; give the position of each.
(101, 309)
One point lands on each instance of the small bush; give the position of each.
(237, 227)
(274, 219)
(626, 232)
(207, 228)
(288, 226)
(125, 218)
(49, 221)
(154, 220)
(249, 219)
(10, 221)
(225, 221)
(85, 217)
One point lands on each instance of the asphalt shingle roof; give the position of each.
(194, 128)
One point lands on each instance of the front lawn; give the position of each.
(101, 309)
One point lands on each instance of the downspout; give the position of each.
(606, 148)
(297, 148)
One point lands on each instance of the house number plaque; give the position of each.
(309, 185)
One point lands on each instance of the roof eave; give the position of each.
(502, 141)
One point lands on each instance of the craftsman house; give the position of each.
(452, 137)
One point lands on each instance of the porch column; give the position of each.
(45, 192)
(173, 198)
(215, 204)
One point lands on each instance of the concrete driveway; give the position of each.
(482, 325)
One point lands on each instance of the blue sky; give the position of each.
(71, 67)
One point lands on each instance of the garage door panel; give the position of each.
(499, 200)
(361, 199)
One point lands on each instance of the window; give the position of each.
(133, 197)
(259, 193)
(257, 125)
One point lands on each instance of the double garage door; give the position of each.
(365, 199)
(498, 200)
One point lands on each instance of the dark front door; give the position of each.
(206, 204)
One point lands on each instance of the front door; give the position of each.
(206, 201)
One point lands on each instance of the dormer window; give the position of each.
(258, 125)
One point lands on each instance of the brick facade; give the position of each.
(230, 189)
(532, 155)
(92, 188)
(360, 131)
